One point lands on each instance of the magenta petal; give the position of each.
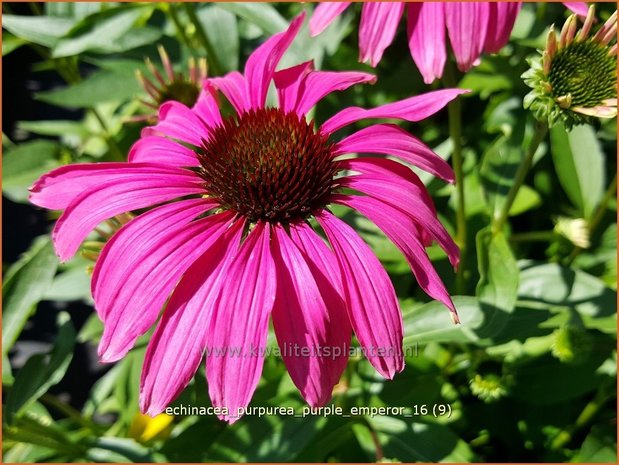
(500, 24)
(390, 139)
(145, 187)
(178, 122)
(371, 301)
(379, 23)
(580, 8)
(240, 323)
(411, 109)
(206, 107)
(324, 14)
(130, 308)
(288, 83)
(262, 62)
(176, 348)
(234, 87)
(400, 229)
(308, 315)
(157, 149)
(319, 84)
(395, 184)
(426, 38)
(467, 23)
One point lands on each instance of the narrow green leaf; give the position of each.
(263, 15)
(221, 28)
(10, 43)
(42, 371)
(41, 30)
(580, 165)
(24, 285)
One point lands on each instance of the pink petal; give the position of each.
(371, 301)
(390, 139)
(308, 315)
(580, 8)
(262, 62)
(176, 348)
(234, 87)
(157, 149)
(467, 23)
(319, 84)
(500, 24)
(426, 38)
(411, 109)
(135, 297)
(400, 229)
(324, 14)
(206, 107)
(288, 82)
(178, 122)
(379, 23)
(146, 187)
(395, 184)
(240, 322)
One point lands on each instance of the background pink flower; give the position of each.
(472, 27)
(226, 240)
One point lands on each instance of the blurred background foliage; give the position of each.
(530, 375)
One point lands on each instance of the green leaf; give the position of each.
(526, 199)
(411, 441)
(54, 128)
(10, 43)
(42, 371)
(122, 450)
(23, 164)
(600, 446)
(24, 285)
(42, 30)
(72, 284)
(580, 165)
(221, 28)
(263, 15)
(102, 86)
(498, 272)
(431, 322)
(552, 285)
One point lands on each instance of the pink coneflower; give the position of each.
(227, 243)
(472, 28)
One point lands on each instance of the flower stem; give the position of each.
(214, 64)
(454, 110)
(532, 236)
(597, 216)
(541, 129)
(171, 9)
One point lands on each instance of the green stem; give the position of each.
(71, 413)
(532, 236)
(454, 110)
(597, 216)
(540, 133)
(178, 24)
(214, 64)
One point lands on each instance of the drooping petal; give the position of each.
(500, 24)
(310, 322)
(390, 139)
(206, 106)
(176, 348)
(580, 8)
(240, 323)
(145, 287)
(324, 14)
(411, 109)
(155, 149)
(319, 84)
(395, 184)
(371, 301)
(426, 38)
(467, 23)
(288, 83)
(261, 64)
(400, 230)
(233, 85)
(178, 122)
(58, 188)
(379, 23)
(146, 187)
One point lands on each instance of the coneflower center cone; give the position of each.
(185, 92)
(268, 165)
(585, 71)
